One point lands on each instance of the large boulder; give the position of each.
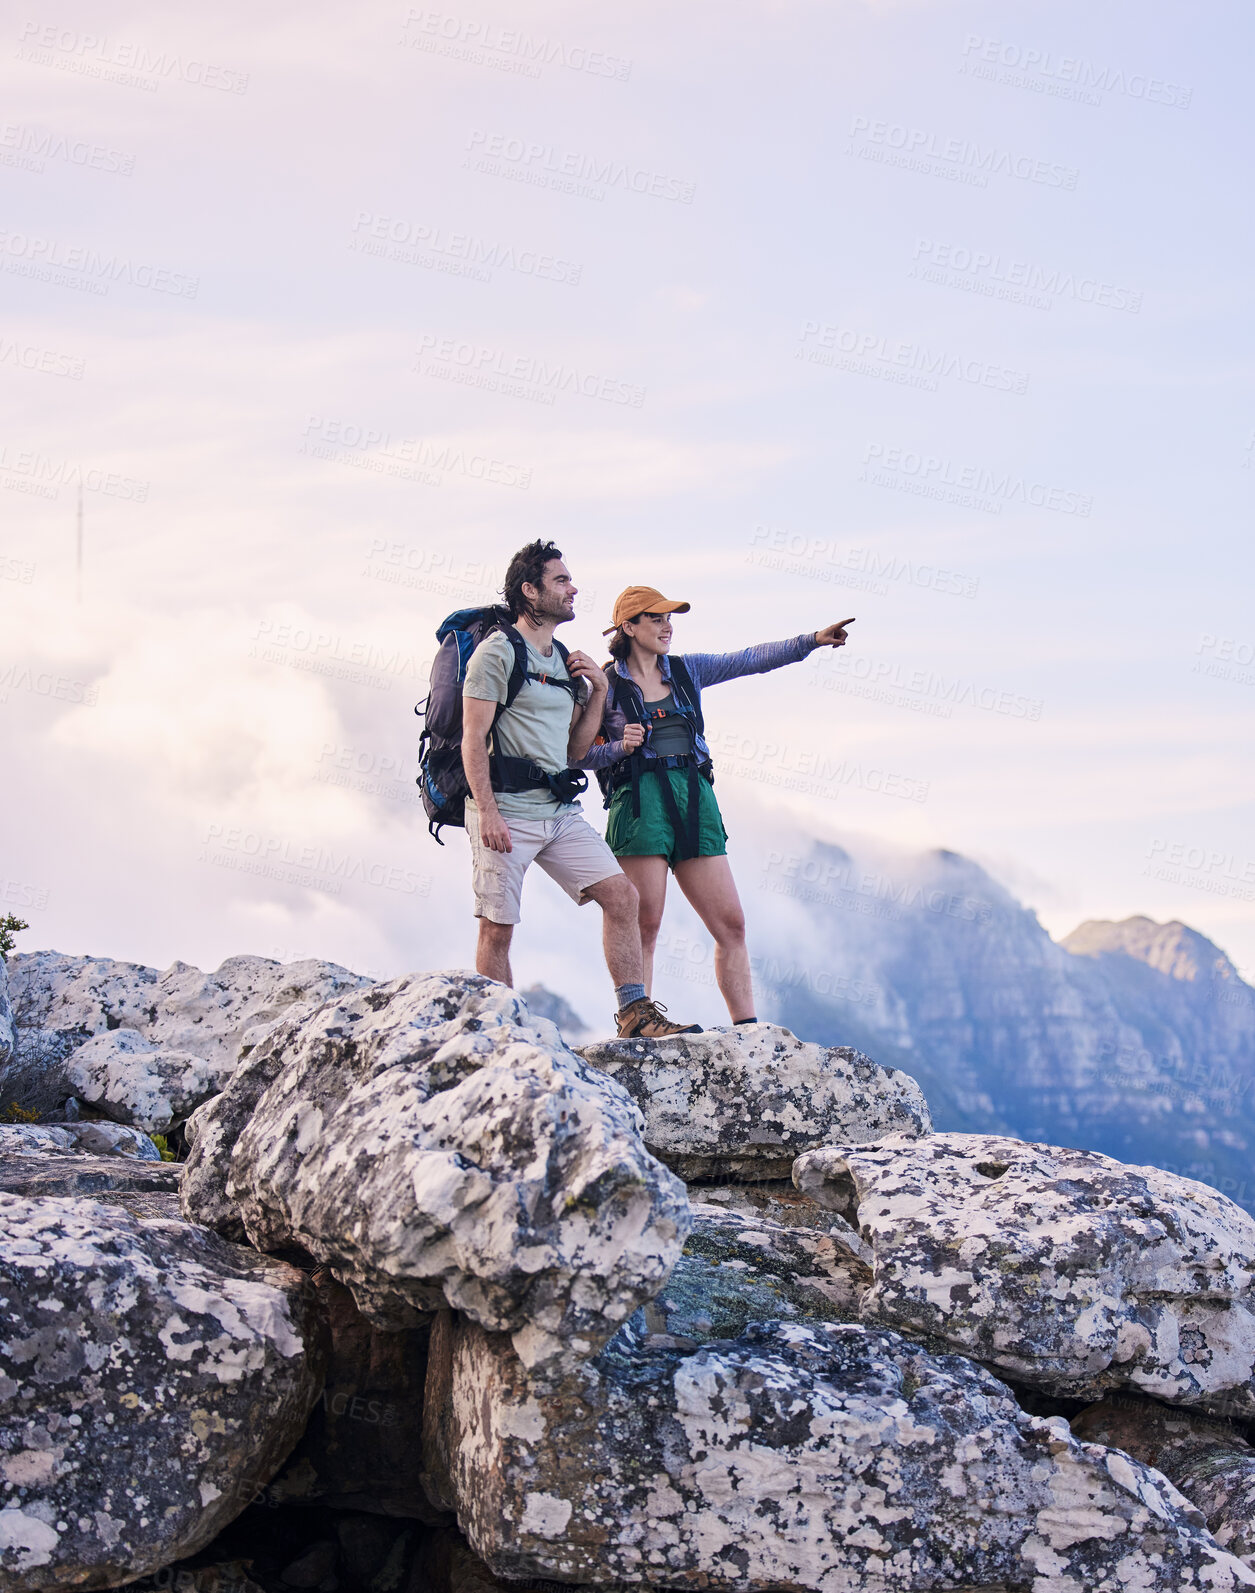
(1062, 1268)
(433, 1143)
(61, 1002)
(95, 1137)
(1209, 1461)
(133, 1081)
(152, 1376)
(745, 1102)
(823, 1456)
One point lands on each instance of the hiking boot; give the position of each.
(643, 1020)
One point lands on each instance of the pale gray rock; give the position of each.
(824, 1456)
(434, 1143)
(151, 1376)
(1209, 1461)
(133, 1081)
(745, 1102)
(1064, 1269)
(93, 1136)
(61, 1002)
(212, 1015)
(79, 1173)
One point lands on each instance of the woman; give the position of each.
(654, 767)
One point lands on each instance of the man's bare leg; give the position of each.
(492, 954)
(620, 928)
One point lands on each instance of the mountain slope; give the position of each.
(1136, 1039)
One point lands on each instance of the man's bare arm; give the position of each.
(477, 718)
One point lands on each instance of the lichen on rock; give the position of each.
(1062, 1268)
(151, 1375)
(822, 1456)
(743, 1103)
(434, 1144)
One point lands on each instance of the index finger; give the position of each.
(843, 623)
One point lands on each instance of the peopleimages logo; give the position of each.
(1001, 486)
(509, 155)
(959, 158)
(30, 255)
(27, 470)
(32, 146)
(410, 458)
(95, 55)
(1021, 64)
(457, 253)
(1020, 281)
(437, 31)
(847, 348)
(518, 375)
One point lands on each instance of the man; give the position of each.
(527, 812)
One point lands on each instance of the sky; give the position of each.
(934, 314)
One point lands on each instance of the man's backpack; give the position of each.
(441, 777)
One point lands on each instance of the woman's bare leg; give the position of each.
(711, 891)
(649, 875)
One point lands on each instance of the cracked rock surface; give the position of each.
(1065, 1269)
(745, 1102)
(1209, 1461)
(61, 1002)
(434, 1144)
(77, 1173)
(151, 1376)
(822, 1456)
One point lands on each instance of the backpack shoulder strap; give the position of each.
(518, 673)
(623, 697)
(569, 684)
(680, 677)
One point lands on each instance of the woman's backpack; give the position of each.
(626, 697)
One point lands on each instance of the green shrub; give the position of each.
(18, 1114)
(10, 925)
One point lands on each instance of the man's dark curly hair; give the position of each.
(528, 564)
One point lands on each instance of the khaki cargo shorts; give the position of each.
(566, 846)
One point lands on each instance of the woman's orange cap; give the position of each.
(634, 600)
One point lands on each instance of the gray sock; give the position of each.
(625, 995)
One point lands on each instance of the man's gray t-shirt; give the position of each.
(537, 724)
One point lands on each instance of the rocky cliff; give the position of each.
(1135, 1039)
(436, 1304)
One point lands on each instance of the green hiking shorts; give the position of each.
(653, 834)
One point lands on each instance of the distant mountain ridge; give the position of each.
(1133, 1038)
